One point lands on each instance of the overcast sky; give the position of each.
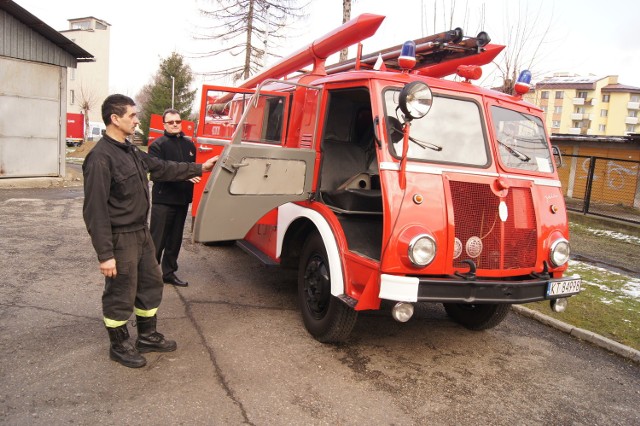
(580, 36)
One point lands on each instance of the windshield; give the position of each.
(521, 140)
(451, 132)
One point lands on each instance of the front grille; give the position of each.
(483, 237)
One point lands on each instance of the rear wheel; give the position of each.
(477, 317)
(325, 317)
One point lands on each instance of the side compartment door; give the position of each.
(254, 174)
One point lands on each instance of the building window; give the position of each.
(559, 95)
(73, 74)
(602, 128)
(580, 110)
(544, 94)
(633, 113)
(604, 113)
(635, 98)
(631, 128)
(576, 124)
(557, 110)
(82, 25)
(555, 124)
(72, 97)
(605, 98)
(582, 95)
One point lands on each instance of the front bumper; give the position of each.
(456, 290)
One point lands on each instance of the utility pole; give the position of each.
(173, 89)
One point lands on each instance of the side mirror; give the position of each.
(557, 156)
(395, 129)
(415, 100)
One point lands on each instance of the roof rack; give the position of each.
(448, 47)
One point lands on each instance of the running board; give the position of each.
(249, 248)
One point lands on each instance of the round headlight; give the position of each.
(422, 250)
(560, 251)
(415, 100)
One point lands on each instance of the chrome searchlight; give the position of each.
(415, 100)
(559, 305)
(402, 311)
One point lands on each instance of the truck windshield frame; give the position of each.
(521, 141)
(453, 124)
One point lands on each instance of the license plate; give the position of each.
(564, 287)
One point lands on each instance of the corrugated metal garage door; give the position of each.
(30, 116)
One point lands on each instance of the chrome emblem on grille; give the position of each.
(457, 248)
(474, 247)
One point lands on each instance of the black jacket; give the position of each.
(174, 148)
(116, 189)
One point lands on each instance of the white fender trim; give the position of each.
(287, 213)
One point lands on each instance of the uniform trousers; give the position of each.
(167, 226)
(138, 284)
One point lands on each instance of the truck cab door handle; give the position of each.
(205, 149)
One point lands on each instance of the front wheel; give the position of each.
(325, 317)
(477, 317)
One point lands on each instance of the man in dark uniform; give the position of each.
(170, 200)
(116, 207)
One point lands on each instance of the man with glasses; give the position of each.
(170, 200)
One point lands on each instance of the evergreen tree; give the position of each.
(155, 97)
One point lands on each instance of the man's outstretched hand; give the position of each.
(207, 166)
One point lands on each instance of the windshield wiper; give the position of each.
(519, 155)
(425, 145)
(396, 129)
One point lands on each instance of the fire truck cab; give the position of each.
(381, 181)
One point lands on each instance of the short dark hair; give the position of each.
(169, 111)
(115, 104)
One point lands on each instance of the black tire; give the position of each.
(326, 318)
(477, 317)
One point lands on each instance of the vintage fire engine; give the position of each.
(381, 181)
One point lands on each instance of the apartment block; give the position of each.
(88, 85)
(592, 105)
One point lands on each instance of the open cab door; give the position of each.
(255, 172)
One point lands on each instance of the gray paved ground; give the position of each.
(244, 358)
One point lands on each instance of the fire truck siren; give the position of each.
(407, 59)
(524, 82)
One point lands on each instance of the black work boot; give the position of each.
(122, 350)
(149, 340)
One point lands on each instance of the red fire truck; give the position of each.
(75, 129)
(381, 181)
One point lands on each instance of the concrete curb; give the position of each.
(589, 336)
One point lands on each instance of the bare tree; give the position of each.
(524, 40)
(87, 102)
(346, 16)
(524, 36)
(246, 28)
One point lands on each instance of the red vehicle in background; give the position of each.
(75, 129)
(156, 128)
(379, 180)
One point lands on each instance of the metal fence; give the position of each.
(601, 186)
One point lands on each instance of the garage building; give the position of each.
(33, 84)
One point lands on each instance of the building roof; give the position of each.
(570, 82)
(621, 88)
(89, 17)
(35, 24)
